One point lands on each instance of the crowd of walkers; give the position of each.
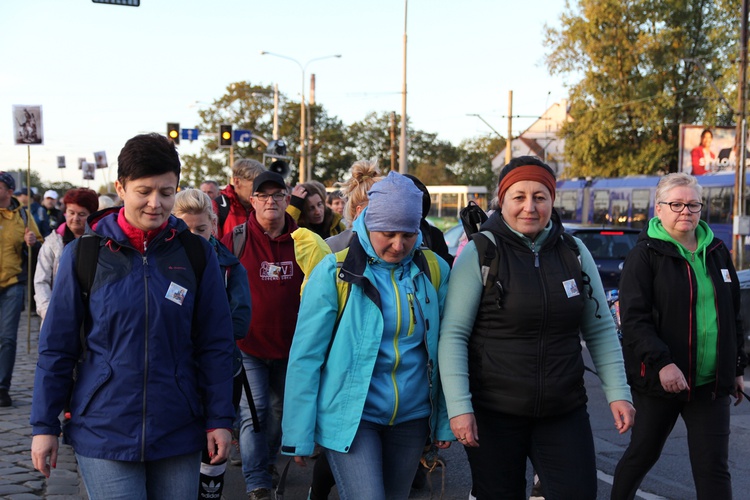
(290, 320)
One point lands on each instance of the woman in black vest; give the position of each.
(510, 352)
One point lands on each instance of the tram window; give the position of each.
(619, 212)
(640, 199)
(566, 203)
(601, 207)
(718, 205)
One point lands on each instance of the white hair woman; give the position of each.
(682, 340)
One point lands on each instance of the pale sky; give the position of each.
(104, 73)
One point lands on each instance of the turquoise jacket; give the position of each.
(368, 372)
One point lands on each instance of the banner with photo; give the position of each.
(27, 125)
(100, 158)
(89, 170)
(707, 149)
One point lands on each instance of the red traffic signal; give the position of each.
(173, 132)
(225, 136)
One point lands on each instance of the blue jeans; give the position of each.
(259, 449)
(11, 301)
(165, 479)
(381, 461)
(561, 448)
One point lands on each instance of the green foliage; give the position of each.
(474, 167)
(244, 106)
(635, 87)
(333, 147)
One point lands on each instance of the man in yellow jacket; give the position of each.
(18, 234)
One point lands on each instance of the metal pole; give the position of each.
(275, 111)
(402, 165)
(310, 138)
(29, 279)
(302, 134)
(738, 240)
(509, 140)
(393, 141)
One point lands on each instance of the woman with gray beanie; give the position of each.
(363, 377)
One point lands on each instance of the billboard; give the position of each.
(707, 149)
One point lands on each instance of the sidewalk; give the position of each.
(18, 479)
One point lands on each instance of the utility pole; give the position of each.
(508, 152)
(393, 141)
(740, 229)
(311, 103)
(402, 166)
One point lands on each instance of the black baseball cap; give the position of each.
(268, 176)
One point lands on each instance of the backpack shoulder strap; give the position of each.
(238, 239)
(195, 253)
(487, 253)
(428, 263)
(87, 259)
(343, 288)
(222, 202)
(24, 216)
(570, 242)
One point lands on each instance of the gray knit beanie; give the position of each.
(395, 205)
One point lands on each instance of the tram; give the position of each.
(629, 201)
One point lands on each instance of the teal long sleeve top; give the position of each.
(462, 303)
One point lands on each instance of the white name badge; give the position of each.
(726, 275)
(571, 288)
(176, 293)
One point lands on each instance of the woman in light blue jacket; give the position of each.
(365, 386)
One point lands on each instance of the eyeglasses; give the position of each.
(263, 197)
(677, 206)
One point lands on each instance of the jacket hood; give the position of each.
(364, 237)
(703, 234)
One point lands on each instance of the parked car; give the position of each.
(608, 246)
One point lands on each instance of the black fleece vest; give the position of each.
(525, 351)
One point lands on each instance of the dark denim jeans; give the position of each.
(11, 301)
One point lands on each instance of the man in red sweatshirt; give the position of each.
(275, 278)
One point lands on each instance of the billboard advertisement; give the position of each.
(707, 149)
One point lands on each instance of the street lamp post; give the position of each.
(303, 160)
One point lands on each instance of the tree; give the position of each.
(636, 87)
(244, 106)
(474, 167)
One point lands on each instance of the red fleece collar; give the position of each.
(137, 237)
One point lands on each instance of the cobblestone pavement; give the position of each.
(18, 479)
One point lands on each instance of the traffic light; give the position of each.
(173, 132)
(225, 136)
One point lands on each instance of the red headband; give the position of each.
(527, 173)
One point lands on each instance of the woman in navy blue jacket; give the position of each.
(153, 383)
